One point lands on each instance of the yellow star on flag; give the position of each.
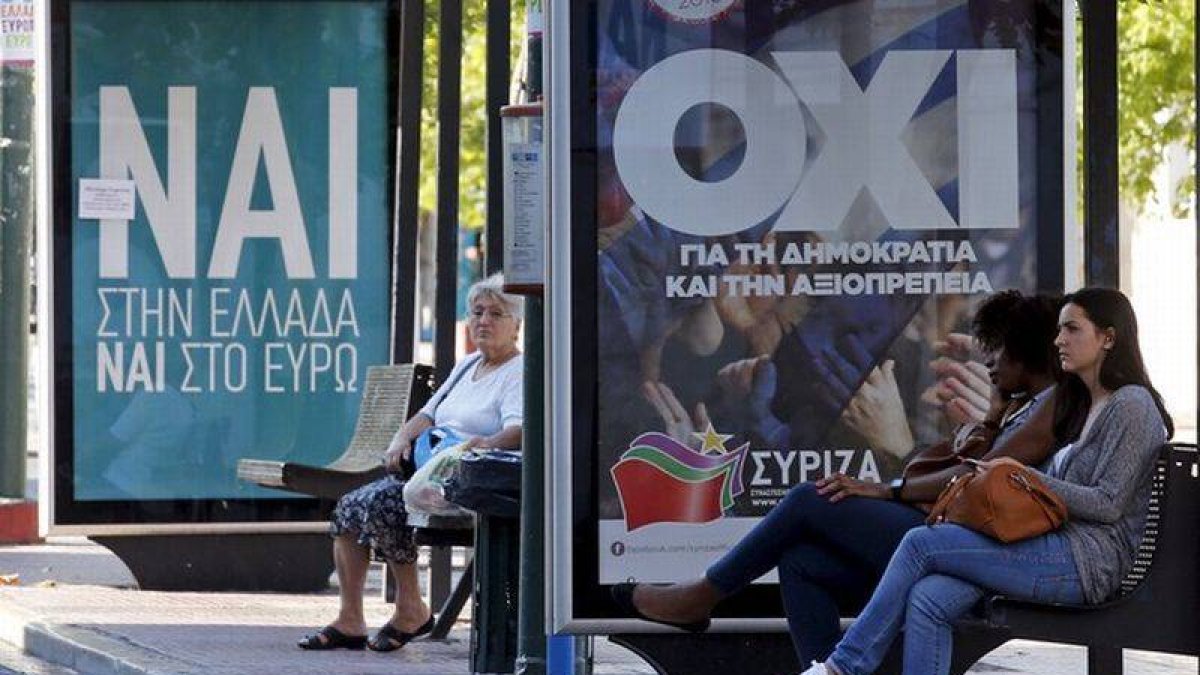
(711, 441)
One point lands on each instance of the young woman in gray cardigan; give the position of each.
(1110, 422)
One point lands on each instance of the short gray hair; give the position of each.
(493, 287)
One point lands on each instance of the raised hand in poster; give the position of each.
(631, 269)
(876, 413)
(964, 389)
(677, 422)
(750, 384)
(824, 360)
(762, 320)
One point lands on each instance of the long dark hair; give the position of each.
(1107, 308)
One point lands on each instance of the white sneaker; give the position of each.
(817, 668)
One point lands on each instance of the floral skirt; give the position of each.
(375, 514)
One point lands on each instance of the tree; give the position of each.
(472, 176)
(1155, 97)
(1156, 92)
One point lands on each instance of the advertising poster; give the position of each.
(221, 244)
(795, 208)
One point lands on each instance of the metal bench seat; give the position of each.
(391, 394)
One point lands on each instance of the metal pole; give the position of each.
(499, 16)
(531, 620)
(531, 615)
(404, 277)
(449, 114)
(1101, 234)
(16, 223)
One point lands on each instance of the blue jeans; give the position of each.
(935, 577)
(830, 556)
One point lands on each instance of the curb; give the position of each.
(88, 651)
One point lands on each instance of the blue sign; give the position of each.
(235, 313)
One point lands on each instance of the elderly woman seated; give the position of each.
(482, 402)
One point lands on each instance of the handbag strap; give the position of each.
(1050, 507)
(453, 381)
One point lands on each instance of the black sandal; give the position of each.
(623, 595)
(332, 638)
(389, 638)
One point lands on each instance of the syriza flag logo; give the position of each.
(660, 480)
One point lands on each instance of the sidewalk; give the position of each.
(76, 608)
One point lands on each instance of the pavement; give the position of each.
(76, 609)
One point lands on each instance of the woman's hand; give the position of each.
(397, 453)
(877, 413)
(983, 465)
(839, 486)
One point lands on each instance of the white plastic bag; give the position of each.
(424, 491)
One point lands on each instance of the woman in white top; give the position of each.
(482, 402)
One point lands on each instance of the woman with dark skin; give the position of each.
(831, 540)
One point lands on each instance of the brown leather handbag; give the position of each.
(1005, 501)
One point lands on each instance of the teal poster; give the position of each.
(229, 257)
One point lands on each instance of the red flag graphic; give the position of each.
(648, 495)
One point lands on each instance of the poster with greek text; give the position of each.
(222, 276)
(797, 207)
(16, 33)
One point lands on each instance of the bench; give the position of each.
(1159, 600)
(441, 534)
(1155, 611)
(391, 394)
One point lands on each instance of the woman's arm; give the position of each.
(1129, 440)
(1030, 443)
(400, 449)
(507, 438)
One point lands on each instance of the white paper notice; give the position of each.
(16, 33)
(105, 199)
(524, 238)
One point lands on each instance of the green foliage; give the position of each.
(472, 177)
(1156, 97)
(1156, 92)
